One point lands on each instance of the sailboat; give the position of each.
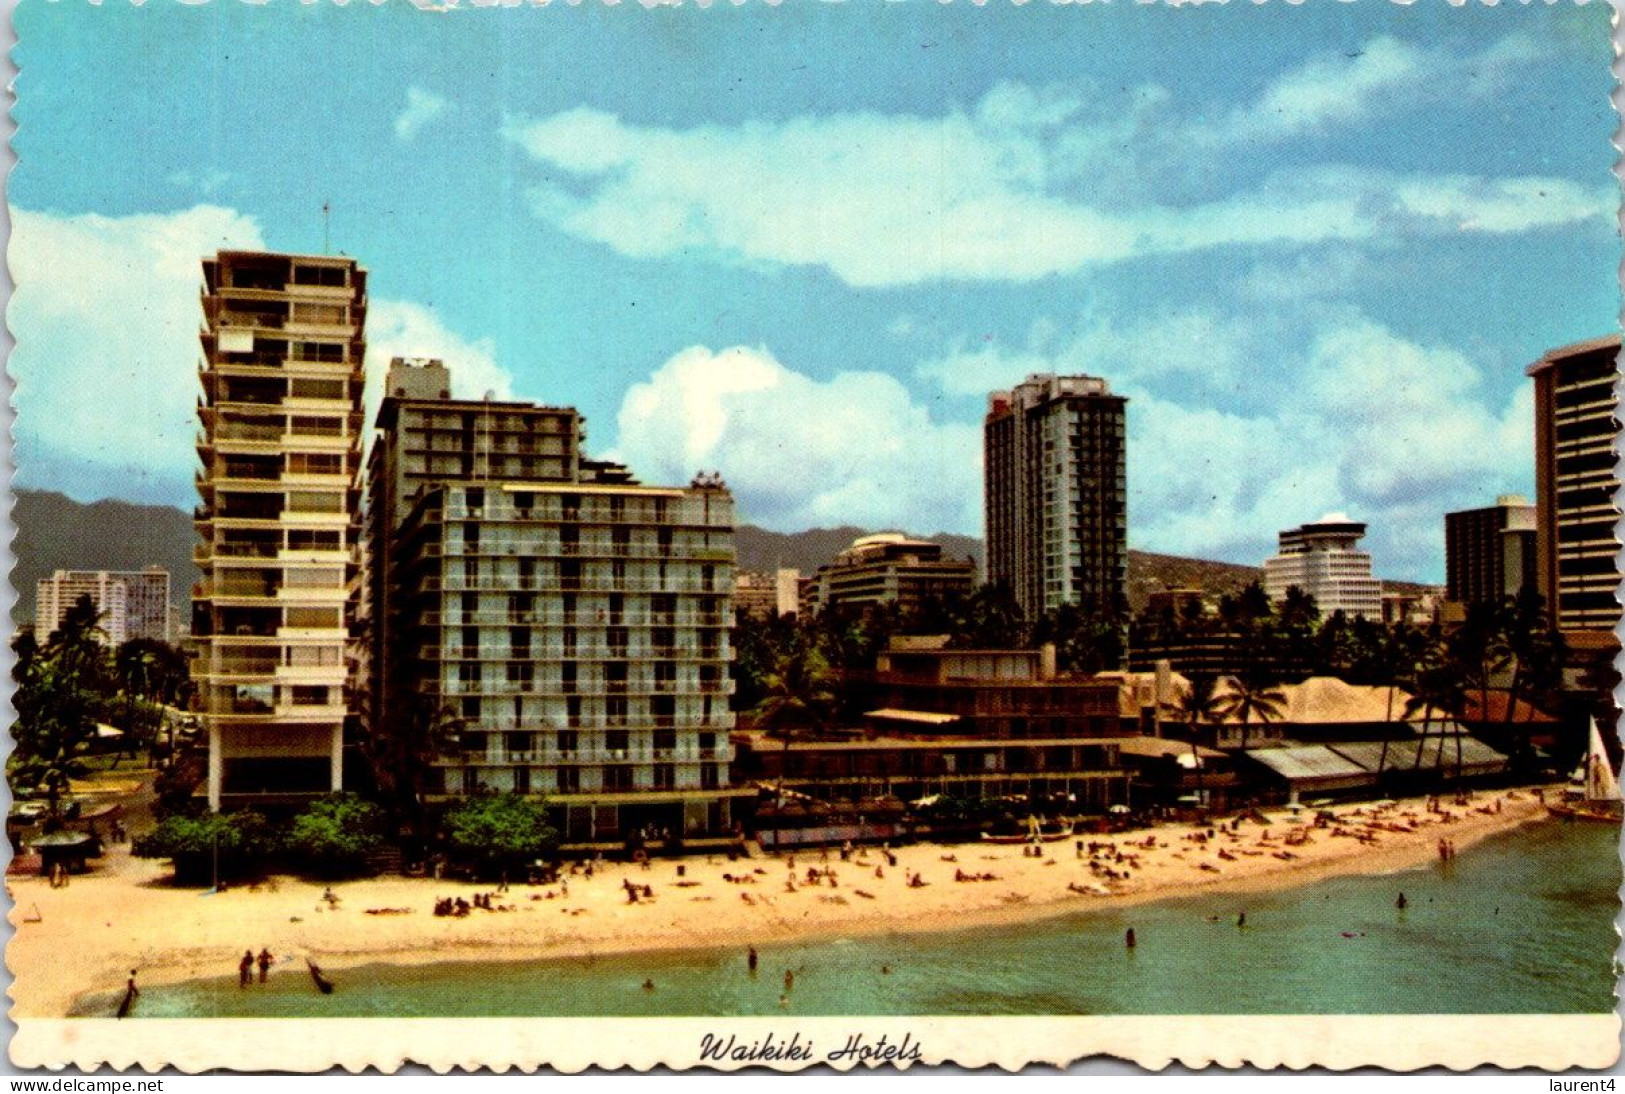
(1599, 798)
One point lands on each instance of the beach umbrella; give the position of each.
(1118, 809)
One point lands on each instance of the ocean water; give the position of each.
(1522, 923)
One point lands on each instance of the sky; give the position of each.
(1315, 246)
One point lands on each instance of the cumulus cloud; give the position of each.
(1193, 348)
(801, 452)
(1346, 414)
(422, 107)
(105, 316)
(1012, 189)
(401, 329)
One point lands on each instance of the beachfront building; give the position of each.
(890, 568)
(1322, 559)
(1490, 553)
(1055, 483)
(961, 724)
(131, 603)
(425, 437)
(1575, 481)
(282, 378)
(573, 623)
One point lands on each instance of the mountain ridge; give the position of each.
(54, 532)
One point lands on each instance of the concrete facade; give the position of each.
(1055, 485)
(282, 378)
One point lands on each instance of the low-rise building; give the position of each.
(890, 568)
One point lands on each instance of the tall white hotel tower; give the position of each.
(279, 519)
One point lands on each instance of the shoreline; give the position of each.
(93, 932)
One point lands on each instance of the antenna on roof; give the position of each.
(327, 214)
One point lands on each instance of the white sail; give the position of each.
(1601, 785)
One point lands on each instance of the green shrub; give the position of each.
(336, 834)
(242, 841)
(497, 832)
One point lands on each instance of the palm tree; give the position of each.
(1197, 704)
(61, 689)
(1438, 688)
(1252, 694)
(1393, 659)
(798, 695)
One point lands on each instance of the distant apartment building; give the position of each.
(573, 623)
(1490, 553)
(282, 379)
(1323, 559)
(890, 568)
(1056, 493)
(756, 595)
(132, 603)
(1575, 482)
(787, 587)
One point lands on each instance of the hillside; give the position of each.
(56, 533)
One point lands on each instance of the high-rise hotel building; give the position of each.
(1322, 558)
(280, 445)
(1575, 481)
(573, 623)
(1055, 491)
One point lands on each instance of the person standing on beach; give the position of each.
(245, 969)
(750, 960)
(264, 963)
(1128, 939)
(131, 994)
(789, 979)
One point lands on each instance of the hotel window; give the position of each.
(569, 780)
(618, 777)
(566, 741)
(665, 776)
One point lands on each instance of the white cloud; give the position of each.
(999, 193)
(1186, 349)
(422, 107)
(800, 452)
(106, 319)
(399, 329)
(106, 316)
(1331, 410)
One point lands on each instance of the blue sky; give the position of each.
(1316, 246)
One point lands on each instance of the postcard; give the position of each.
(805, 535)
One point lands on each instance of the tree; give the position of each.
(499, 832)
(335, 835)
(1438, 690)
(400, 751)
(1198, 704)
(798, 696)
(62, 689)
(1251, 694)
(238, 842)
(988, 619)
(1085, 641)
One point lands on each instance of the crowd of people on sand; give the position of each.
(457, 907)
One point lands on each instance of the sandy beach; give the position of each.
(89, 935)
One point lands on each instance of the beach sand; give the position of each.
(89, 935)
